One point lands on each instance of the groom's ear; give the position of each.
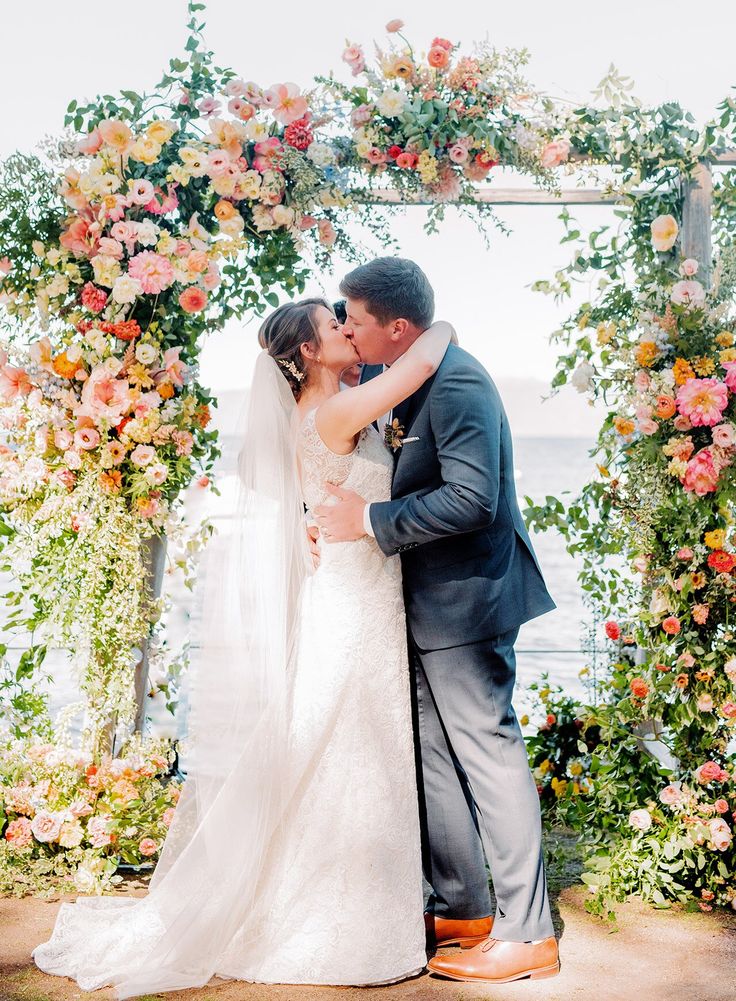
(400, 327)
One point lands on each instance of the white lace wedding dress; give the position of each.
(340, 896)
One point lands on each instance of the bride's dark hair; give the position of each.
(284, 331)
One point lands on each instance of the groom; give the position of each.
(470, 580)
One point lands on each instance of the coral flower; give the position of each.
(193, 299)
(14, 382)
(438, 57)
(639, 688)
(665, 407)
(702, 401)
(671, 625)
(721, 561)
(613, 630)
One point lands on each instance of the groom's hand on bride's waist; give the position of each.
(342, 521)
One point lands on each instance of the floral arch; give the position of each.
(160, 216)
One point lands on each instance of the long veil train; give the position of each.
(204, 887)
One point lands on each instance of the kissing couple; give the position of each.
(355, 761)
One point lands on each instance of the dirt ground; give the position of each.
(654, 956)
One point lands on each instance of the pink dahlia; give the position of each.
(701, 475)
(155, 273)
(94, 298)
(702, 401)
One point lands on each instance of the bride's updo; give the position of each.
(284, 331)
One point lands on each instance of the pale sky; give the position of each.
(54, 52)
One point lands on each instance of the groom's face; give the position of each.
(376, 343)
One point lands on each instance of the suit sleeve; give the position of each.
(466, 422)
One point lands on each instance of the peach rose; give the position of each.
(148, 847)
(46, 826)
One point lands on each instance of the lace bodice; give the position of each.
(367, 470)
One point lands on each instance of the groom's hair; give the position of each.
(390, 288)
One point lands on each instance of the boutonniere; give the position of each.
(393, 435)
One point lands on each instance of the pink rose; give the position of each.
(720, 834)
(327, 234)
(458, 153)
(720, 806)
(686, 659)
(642, 380)
(18, 832)
(670, 795)
(728, 709)
(46, 826)
(555, 153)
(396, 24)
(360, 115)
(685, 553)
(647, 426)
(688, 293)
(375, 155)
(91, 143)
(730, 378)
(142, 455)
(689, 267)
(711, 771)
(148, 847)
(724, 435)
(167, 816)
(97, 832)
(702, 401)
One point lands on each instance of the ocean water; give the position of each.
(550, 643)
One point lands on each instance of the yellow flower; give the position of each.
(726, 356)
(179, 174)
(146, 150)
(575, 789)
(524, 721)
(698, 579)
(544, 694)
(427, 167)
(545, 766)
(583, 672)
(624, 426)
(603, 470)
(646, 353)
(576, 768)
(682, 371)
(161, 131)
(677, 467)
(725, 339)
(583, 321)
(715, 539)
(138, 374)
(606, 332)
(704, 365)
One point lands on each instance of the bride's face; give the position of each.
(335, 352)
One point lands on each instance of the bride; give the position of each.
(294, 854)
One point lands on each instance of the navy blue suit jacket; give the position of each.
(468, 565)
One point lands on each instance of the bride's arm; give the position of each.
(341, 417)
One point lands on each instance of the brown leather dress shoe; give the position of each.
(496, 962)
(452, 931)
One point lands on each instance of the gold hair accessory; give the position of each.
(291, 367)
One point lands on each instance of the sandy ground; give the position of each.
(654, 956)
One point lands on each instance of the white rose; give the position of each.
(156, 473)
(146, 232)
(640, 820)
(106, 270)
(112, 365)
(74, 352)
(391, 103)
(321, 154)
(256, 131)
(146, 353)
(582, 377)
(730, 668)
(659, 603)
(688, 293)
(282, 215)
(126, 290)
(262, 218)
